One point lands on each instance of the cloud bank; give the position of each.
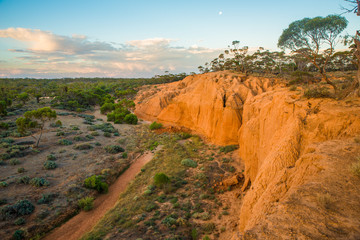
(45, 54)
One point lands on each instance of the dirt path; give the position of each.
(82, 223)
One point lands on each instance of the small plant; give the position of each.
(60, 133)
(86, 203)
(151, 206)
(58, 123)
(65, 142)
(293, 88)
(14, 161)
(355, 167)
(113, 149)
(46, 198)
(107, 134)
(322, 92)
(95, 133)
(185, 135)
(23, 180)
(19, 234)
(84, 146)
(124, 155)
(189, 163)
(206, 238)
(21, 170)
(131, 119)
(20, 208)
(97, 144)
(50, 165)
(155, 125)
(90, 137)
(160, 179)
(39, 182)
(51, 157)
(97, 183)
(3, 184)
(19, 221)
(229, 148)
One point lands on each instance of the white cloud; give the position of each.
(51, 55)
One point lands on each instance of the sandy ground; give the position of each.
(85, 221)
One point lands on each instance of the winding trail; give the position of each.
(82, 223)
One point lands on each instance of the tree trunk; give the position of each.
(38, 141)
(357, 55)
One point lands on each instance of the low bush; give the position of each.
(86, 203)
(97, 183)
(355, 167)
(189, 163)
(19, 221)
(3, 184)
(50, 165)
(19, 234)
(321, 92)
(160, 179)
(51, 157)
(113, 149)
(65, 142)
(107, 134)
(61, 133)
(39, 182)
(131, 119)
(14, 161)
(95, 133)
(46, 198)
(23, 180)
(185, 135)
(21, 170)
(155, 125)
(84, 146)
(229, 148)
(20, 208)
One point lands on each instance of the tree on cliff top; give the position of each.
(309, 36)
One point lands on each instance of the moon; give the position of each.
(220, 13)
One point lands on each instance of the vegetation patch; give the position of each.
(113, 149)
(86, 203)
(96, 182)
(155, 125)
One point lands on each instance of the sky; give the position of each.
(140, 38)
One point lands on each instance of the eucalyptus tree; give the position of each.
(313, 37)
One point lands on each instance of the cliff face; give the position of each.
(297, 152)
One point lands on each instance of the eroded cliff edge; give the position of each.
(297, 152)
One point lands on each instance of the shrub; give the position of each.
(151, 206)
(229, 148)
(19, 221)
(49, 165)
(65, 142)
(95, 133)
(160, 179)
(21, 170)
(113, 149)
(14, 161)
(96, 182)
(61, 133)
(124, 155)
(3, 184)
(20, 208)
(39, 182)
(51, 157)
(155, 125)
(86, 203)
(59, 123)
(107, 107)
(322, 92)
(189, 163)
(19, 234)
(185, 135)
(84, 146)
(90, 137)
(170, 220)
(131, 119)
(107, 134)
(46, 198)
(24, 180)
(355, 167)
(153, 145)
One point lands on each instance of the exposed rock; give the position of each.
(295, 151)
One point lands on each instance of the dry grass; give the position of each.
(355, 167)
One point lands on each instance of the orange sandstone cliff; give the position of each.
(297, 152)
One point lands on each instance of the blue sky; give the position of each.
(123, 38)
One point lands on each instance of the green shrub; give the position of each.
(170, 220)
(107, 107)
(229, 148)
(23, 179)
(155, 125)
(107, 134)
(97, 183)
(59, 123)
(206, 238)
(21, 170)
(49, 165)
(86, 203)
(113, 149)
(131, 119)
(3, 184)
(65, 142)
(90, 137)
(20, 208)
(84, 146)
(321, 92)
(19, 234)
(19, 221)
(46, 198)
(95, 133)
(185, 135)
(39, 182)
(14, 161)
(51, 157)
(153, 145)
(189, 163)
(61, 133)
(97, 144)
(151, 206)
(124, 155)
(160, 179)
